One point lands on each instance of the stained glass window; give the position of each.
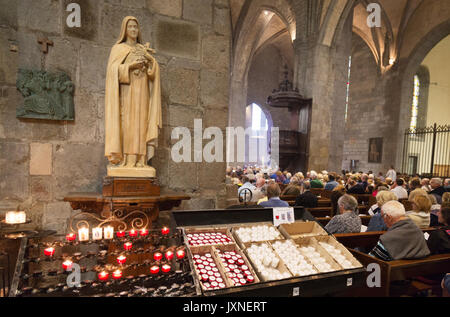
(348, 87)
(415, 104)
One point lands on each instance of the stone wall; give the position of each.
(368, 111)
(42, 161)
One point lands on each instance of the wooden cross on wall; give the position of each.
(45, 43)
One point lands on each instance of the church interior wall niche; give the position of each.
(375, 150)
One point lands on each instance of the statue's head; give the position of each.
(130, 29)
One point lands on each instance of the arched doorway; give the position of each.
(258, 123)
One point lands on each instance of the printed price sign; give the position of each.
(283, 215)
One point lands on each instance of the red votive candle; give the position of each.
(121, 259)
(133, 233)
(143, 232)
(120, 234)
(180, 254)
(165, 231)
(169, 255)
(157, 256)
(103, 276)
(71, 237)
(166, 268)
(154, 269)
(117, 274)
(49, 251)
(67, 265)
(127, 246)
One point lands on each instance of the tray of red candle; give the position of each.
(208, 271)
(208, 236)
(236, 266)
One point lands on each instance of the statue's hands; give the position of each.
(139, 64)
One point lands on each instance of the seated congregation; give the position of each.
(385, 219)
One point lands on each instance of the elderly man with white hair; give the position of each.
(437, 189)
(447, 184)
(260, 191)
(403, 240)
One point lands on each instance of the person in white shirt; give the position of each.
(245, 195)
(392, 174)
(398, 189)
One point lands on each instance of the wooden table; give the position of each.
(122, 210)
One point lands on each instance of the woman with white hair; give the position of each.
(377, 223)
(347, 221)
(315, 182)
(288, 178)
(403, 240)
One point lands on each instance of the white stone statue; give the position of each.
(132, 104)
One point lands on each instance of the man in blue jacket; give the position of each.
(273, 193)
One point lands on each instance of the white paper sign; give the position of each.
(426, 235)
(296, 291)
(350, 281)
(283, 215)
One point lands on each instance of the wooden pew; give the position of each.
(399, 270)
(325, 220)
(366, 240)
(324, 203)
(363, 209)
(363, 199)
(317, 191)
(406, 203)
(320, 211)
(326, 194)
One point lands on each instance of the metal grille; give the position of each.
(426, 151)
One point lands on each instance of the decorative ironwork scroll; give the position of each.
(136, 219)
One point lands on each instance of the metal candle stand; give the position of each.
(36, 276)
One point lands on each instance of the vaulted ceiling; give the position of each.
(385, 41)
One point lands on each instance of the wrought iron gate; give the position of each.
(426, 151)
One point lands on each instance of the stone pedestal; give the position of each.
(130, 187)
(144, 172)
